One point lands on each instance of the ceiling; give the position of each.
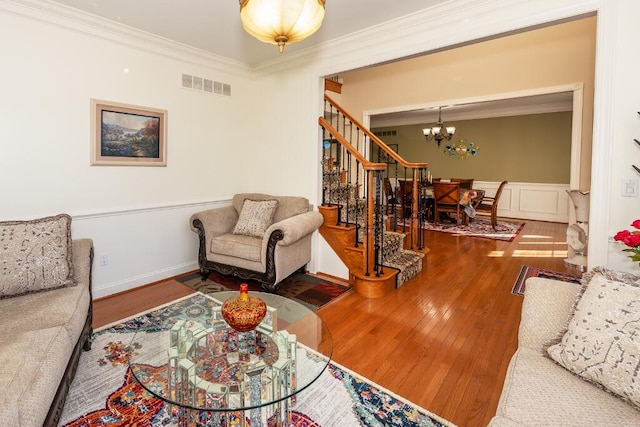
(214, 25)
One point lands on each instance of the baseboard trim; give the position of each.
(143, 279)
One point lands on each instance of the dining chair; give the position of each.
(465, 183)
(489, 205)
(446, 199)
(405, 195)
(391, 198)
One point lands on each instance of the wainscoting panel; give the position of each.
(521, 200)
(538, 201)
(505, 204)
(140, 246)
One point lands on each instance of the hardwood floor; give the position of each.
(443, 340)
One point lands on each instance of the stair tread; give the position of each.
(409, 263)
(402, 258)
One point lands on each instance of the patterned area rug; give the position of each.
(104, 393)
(527, 271)
(480, 227)
(313, 292)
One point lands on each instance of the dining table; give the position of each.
(469, 198)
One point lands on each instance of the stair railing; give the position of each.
(406, 214)
(359, 200)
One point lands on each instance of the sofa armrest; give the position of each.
(545, 311)
(216, 221)
(82, 251)
(296, 227)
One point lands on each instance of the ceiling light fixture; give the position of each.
(281, 22)
(439, 131)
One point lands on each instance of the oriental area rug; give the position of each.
(104, 392)
(527, 271)
(311, 291)
(479, 227)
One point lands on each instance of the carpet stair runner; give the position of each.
(407, 262)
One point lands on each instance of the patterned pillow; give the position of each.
(602, 341)
(255, 217)
(35, 255)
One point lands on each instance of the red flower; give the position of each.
(632, 240)
(621, 235)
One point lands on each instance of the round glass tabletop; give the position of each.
(198, 362)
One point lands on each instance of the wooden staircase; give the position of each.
(356, 224)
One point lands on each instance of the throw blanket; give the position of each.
(466, 199)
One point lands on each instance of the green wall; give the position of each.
(514, 148)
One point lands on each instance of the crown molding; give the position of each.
(484, 113)
(75, 20)
(479, 107)
(442, 26)
(437, 27)
(433, 18)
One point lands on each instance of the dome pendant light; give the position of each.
(281, 22)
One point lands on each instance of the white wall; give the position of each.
(286, 124)
(626, 127)
(136, 215)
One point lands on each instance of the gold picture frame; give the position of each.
(127, 135)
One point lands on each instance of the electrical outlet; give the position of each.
(104, 260)
(630, 188)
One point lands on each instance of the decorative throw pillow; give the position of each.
(602, 341)
(35, 255)
(255, 217)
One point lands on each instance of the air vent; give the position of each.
(385, 133)
(201, 84)
(187, 81)
(197, 83)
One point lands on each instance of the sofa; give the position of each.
(588, 381)
(260, 236)
(45, 312)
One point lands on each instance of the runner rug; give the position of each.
(104, 393)
(527, 271)
(313, 292)
(479, 227)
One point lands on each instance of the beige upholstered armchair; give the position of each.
(260, 237)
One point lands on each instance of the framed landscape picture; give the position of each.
(127, 135)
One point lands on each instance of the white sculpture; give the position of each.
(578, 233)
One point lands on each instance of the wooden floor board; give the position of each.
(443, 340)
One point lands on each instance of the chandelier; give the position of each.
(439, 131)
(462, 150)
(281, 21)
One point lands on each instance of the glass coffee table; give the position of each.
(216, 376)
